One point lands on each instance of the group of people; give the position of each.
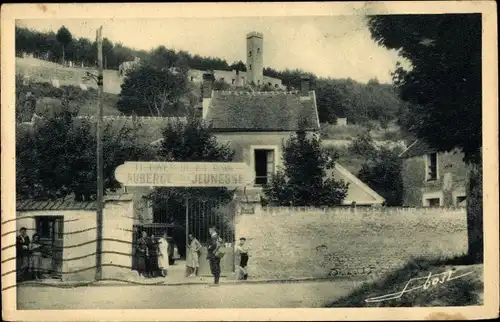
(155, 255)
(28, 256)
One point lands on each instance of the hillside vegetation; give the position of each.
(360, 103)
(40, 71)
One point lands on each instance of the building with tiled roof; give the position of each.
(432, 178)
(232, 111)
(256, 124)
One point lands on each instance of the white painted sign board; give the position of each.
(184, 174)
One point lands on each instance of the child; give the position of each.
(243, 251)
(36, 257)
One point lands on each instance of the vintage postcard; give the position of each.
(250, 161)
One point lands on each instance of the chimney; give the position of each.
(304, 86)
(208, 82)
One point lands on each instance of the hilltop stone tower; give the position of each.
(255, 54)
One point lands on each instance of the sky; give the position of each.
(328, 46)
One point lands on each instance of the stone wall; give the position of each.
(294, 242)
(451, 182)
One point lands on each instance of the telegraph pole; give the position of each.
(100, 185)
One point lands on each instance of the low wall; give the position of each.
(299, 242)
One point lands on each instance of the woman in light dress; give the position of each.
(163, 252)
(193, 256)
(36, 257)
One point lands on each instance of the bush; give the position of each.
(383, 173)
(363, 145)
(303, 181)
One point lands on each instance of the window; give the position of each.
(258, 81)
(192, 78)
(258, 50)
(461, 201)
(433, 202)
(431, 164)
(50, 227)
(44, 227)
(250, 53)
(232, 81)
(250, 67)
(264, 165)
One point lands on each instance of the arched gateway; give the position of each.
(199, 212)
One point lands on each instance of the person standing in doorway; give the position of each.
(214, 254)
(22, 254)
(142, 254)
(242, 250)
(36, 257)
(153, 256)
(163, 248)
(192, 256)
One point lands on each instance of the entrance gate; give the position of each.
(205, 213)
(195, 214)
(198, 215)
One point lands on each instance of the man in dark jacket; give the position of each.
(22, 254)
(213, 247)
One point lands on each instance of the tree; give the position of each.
(444, 89)
(189, 142)
(108, 54)
(363, 146)
(383, 173)
(64, 37)
(239, 66)
(328, 101)
(57, 157)
(150, 91)
(303, 181)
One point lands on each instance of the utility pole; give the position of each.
(100, 185)
(187, 225)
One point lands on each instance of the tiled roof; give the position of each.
(59, 204)
(272, 111)
(417, 148)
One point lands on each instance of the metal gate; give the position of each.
(195, 214)
(205, 213)
(201, 214)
